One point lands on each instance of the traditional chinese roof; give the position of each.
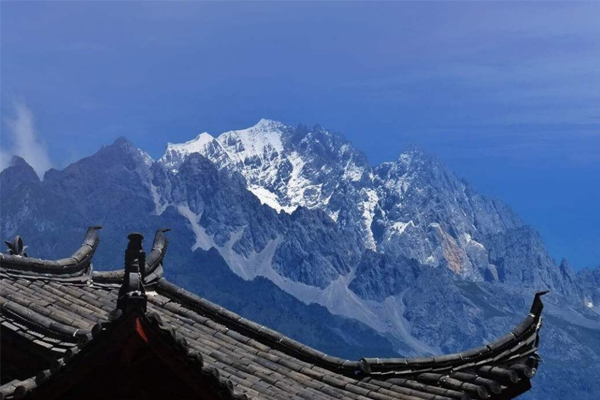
(63, 311)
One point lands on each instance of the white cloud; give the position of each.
(4, 159)
(25, 141)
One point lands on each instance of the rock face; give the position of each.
(425, 212)
(292, 226)
(590, 285)
(285, 167)
(414, 206)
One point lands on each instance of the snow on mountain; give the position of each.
(287, 168)
(269, 198)
(368, 213)
(413, 206)
(407, 248)
(257, 153)
(260, 141)
(281, 164)
(177, 152)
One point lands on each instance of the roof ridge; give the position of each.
(499, 370)
(20, 388)
(153, 270)
(261, 332)
(527, 330)
(78, 267)
(130, 314)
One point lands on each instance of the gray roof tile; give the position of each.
(52, 313)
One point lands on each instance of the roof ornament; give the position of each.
(16, 248)
(538, 306)
(132, 295)
(153, 269)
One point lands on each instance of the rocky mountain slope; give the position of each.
(413, 206)
(292, 226)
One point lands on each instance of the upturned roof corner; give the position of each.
(75, 319)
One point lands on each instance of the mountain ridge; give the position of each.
(357, 194)
(446, 268)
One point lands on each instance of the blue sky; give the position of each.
(507, 94)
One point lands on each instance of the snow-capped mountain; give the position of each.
(284, 167)
(406, 250)
(415, 206)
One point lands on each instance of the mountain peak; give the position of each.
(176, 153)
(414, 152)
(255, 140)
(17, 161)
(265, 123)
(204, 137)
(194, 145)
(123, 144)
(415, 149)
(122, 141)
(119, 152)
(18, 171)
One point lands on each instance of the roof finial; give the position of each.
(134, 252)
(132, 294)
(538, 306)
(16, 248)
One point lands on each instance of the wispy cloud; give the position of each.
(25, 141)
(4, 159)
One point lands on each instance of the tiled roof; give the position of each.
(58, 311)
(73, 269)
